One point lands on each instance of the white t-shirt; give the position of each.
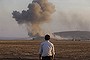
(47, 49)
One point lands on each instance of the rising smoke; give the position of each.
(75, 20)
(39, 12)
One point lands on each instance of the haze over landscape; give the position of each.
(24, 23)
(71, 15)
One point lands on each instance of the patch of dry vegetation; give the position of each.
(28, 49)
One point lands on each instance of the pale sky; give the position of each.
(64, 8)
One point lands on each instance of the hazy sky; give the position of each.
(69, 15)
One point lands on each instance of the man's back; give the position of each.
(46, 51)
(47, 48)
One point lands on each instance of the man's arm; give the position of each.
(40, 58)
(53, 52)
(40, 52)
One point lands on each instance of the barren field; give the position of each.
(28, 50)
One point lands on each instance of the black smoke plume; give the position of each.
(39, 12)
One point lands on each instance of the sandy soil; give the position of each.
(28, 50)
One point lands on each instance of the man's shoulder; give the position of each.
(45, 42)
(51, 43)
(42, 43)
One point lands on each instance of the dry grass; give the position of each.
(28, 50)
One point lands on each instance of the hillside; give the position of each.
(74, 34)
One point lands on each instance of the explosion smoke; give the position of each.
(74, 20)
(39, 12)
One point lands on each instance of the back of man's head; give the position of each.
(47, 37)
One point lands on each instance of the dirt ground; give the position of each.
(28, 50)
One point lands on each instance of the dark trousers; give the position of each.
(47, 58)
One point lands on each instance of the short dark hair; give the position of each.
(47, 37)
